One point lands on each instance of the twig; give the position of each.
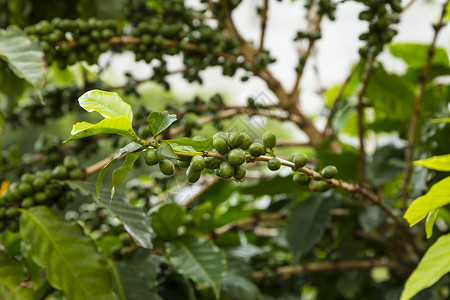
(287, 271)
(360, 111)
(413, 126)
(263, 25)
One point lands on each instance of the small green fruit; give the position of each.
(239, 172)
(221, 146)
(212, 162)
(125, 239)
(235, 140)
(11, 212)
(236, 157)
(256, 150)
(198, 163)
(246, 143)
(40, 197)
(329, 172)
(319, 186)
(27, 202)
(166, 167)
(221, 135)
(300, 160)
(269, 139)
(25, 189)
(192, 175)
(27, 178)
(59, 172)
(70, 162)
(75, 173)
(39, 183)
(152, 157)
(274, 164)
(226, 170)
(301, 178)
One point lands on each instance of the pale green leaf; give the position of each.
(440, 163)
(434, 264)
(23, 56)
(108, 104)
(127, 149)
(166, 219)
(201, 261)
(159, 121)
(437, 196)
(166, 150)
(120, 125)
(203, 145)
(442, 120)
(429, 222)
(12, 275)
(70, 259)
(306, 225)
(415, 55)
(119, 174)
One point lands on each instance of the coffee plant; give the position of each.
(212, 200)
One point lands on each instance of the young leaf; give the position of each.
(119, 174)
(440, 163)
(12, 274)
(23, 56)
(127, 149)
(306, 225)
(70, 258)
(108, 104)
(437, 196)
(415, 55)
(166, 220)
(204, 145)
(201, 261)
(159, 121)
(120, 125)
(429, 222)
(434, 264)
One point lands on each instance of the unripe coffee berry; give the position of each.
(198, 163)
(236, 157)
(239, 172)
(300, 160)
(235, 140)
(152, 157)
(329, 172)
(274, 164)
(226, 170)
(269, 139)
(166, 167)
(256, 150)
(301, 178)
(221, 146)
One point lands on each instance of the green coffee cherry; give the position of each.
(329, 172)
(226, 170)
(236, 157)
(125, 239)
(39, 183)
(300, 160)
(221, 146)
(40, 197)
(192, 175)
(13, 226)
(152, 157)
(221, 135)
(318, 186)
(166, 167)
(198, 163)
(27, 178)
(183, 164)
(256, 150)
(301, 178)
(235, 140)
(246, 143)
(269, 139)
(274, 164)
(239, 172)
(11, 212)
(25, 189)
(59, 172)
(75, 173)
(27, 202)
(212, 162)
(70, 162)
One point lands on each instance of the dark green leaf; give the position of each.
(240, 288)
(12, 280)
(306, 224)
(385, 164)
(70, 258)
(159, 121)
(201, 261)
(119, 174)
(133, 285)
(166, 219)
(24, 57)
(203, 145)
(166, 150)
(371, 217)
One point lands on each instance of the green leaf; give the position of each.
(437, 196)
(12, 280)
(201, 261)
(415, 55)
(434, 264)
(385, 164)
(166, 219)
(119, 174)
(240, 288)
(306, 224)
(203, 145)
(121, 126)
(2, 122)
(134, 286)
(429, 222)
(166, 150)
(159, 121)
(70, 258)
(442, 120)
(23, 56)
(108, 104)
(440, 163)
(127, 149)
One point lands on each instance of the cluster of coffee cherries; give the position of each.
(42, 188)
(126, 247)
(381, 17)
(68, 41)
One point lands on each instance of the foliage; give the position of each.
(207, 201)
